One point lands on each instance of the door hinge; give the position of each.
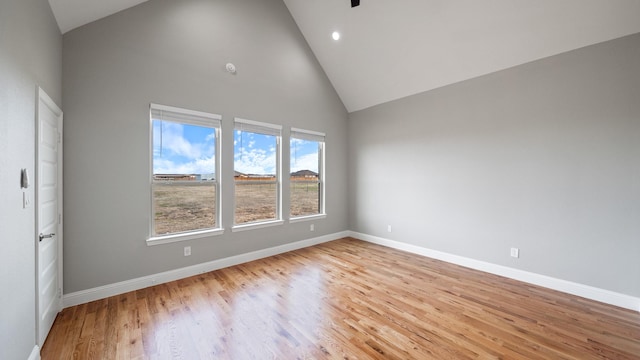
(59, 138)
(59, 293)
(59, 218)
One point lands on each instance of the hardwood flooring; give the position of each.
(345, 299)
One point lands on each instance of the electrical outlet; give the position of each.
(312, 227)
(388, 228)
(187, 251)
(515, 252)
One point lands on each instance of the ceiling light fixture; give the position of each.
(335, 35)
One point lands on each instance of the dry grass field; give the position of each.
(304, 197)
(185, 206)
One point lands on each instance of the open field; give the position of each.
(304, 197)
(185, 206)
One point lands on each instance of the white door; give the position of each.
(48, 214)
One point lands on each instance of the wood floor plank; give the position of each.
(345, 299)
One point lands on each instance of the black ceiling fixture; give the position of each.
(355, 3)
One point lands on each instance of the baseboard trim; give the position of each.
(101, 292)
(35, 353)
(585, 291)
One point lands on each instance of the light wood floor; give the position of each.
(345, 299)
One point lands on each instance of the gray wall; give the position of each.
(173, 53)
(30, 55)
(544, 157)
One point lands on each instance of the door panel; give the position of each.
(48, 215)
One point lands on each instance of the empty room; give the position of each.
(320, 179)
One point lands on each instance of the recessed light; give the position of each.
(335, 35)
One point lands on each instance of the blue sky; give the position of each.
(183, 149)
(256, 154)
(189, 149)
(304, 155)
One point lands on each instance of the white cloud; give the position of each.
(254, 153)
(175, 154)
(255, 161)
(297, 143)
(199, 166)
(169, 137)
(304, 155)
(305, 162)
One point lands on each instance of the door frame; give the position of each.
(45, 100)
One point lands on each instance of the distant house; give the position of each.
(177, 177)
(241, 176)
(304, 175)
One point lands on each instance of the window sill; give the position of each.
(307, 218)
(167, 239)
(256, 225)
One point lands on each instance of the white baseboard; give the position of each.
(35, 353)
(85, 296)
(585, 291)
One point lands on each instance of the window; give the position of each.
(257, 172)
(307, 175)
(185, 171)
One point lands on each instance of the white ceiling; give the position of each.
(71, 14)
(392, 49)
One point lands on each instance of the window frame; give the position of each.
(262, 128)
(320, 138)
(196, 118)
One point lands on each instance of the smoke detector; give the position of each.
(230, 68)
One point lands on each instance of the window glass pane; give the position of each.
(184, 177)
(181, 206)
(306, 190)
(256, 177)
(255, 201)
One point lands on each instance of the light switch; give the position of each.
(26, 200)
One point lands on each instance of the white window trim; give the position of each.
(256, 225)
(186, 115)
(257, 127)
(320, 138)
(307, 218)
(177, 237)
(197, 118)
(265, 129)
(308, 134)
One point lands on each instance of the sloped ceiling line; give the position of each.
(393, 49)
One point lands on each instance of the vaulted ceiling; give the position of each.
(392, 49)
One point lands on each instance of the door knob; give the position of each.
(43, 236)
